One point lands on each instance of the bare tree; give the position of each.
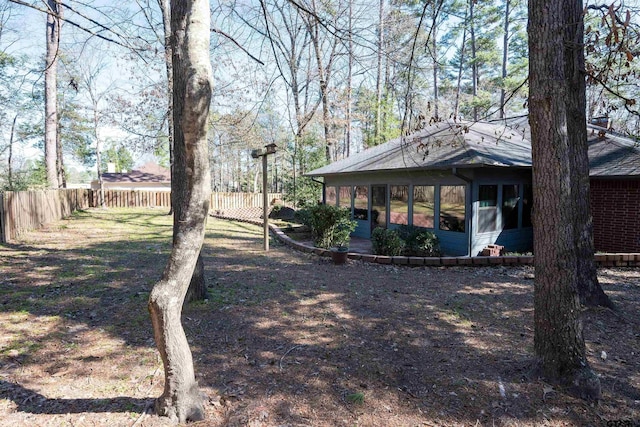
(324, 65)
(54, 24)
(181, 400)
(349, 101)
(379, 56)
(505, 55)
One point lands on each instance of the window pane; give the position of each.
(361, 203)
(488, 208)
(399, 209)
(452, 208)
(527, 205)
(331, 196)
(510, 197)
(423, 201)
(344, 197)
(378, 206)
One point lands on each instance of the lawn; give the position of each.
(288, 339)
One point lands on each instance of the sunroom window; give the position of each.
(361, 203)
(423, 204)
(488, 208)
(331, 196)
(452, 208)
(399, 204)
(378, 206)
(344, 196)
(510, 198)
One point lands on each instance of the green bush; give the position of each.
(386, 242)
(330, 225)
(418, 241)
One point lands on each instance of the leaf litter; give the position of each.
(287, 338)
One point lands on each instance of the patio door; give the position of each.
(378, 206)
(361, 211)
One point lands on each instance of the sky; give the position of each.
(25, 34)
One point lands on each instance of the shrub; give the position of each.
(303, 216)
(386, 242)
(418, 241)
(330, 225)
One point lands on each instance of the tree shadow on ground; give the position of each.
(288, 337)
(33, 402)
(452, 343)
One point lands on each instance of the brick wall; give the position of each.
(615, 205)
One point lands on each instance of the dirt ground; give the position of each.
(289, 339)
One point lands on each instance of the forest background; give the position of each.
(321, 79)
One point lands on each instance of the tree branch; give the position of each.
(628, 102)
(232, 40)
(75, 24)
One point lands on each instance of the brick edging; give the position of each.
(602, 260)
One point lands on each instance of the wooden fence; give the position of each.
(131, 199)
(30, 210)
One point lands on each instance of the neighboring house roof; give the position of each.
(451, 144)
(149, 172)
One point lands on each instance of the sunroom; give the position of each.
(469, 184)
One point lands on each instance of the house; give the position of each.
(615, 192)
(470, 183)
(150, 176)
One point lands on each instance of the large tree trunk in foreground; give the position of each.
(589, 289)
(198, 287)
(51, 93)
(165, 8)
(558, 339)
(181, 400)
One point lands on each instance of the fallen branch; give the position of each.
(285, 355)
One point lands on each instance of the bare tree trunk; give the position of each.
(324, 74)
(474, 63)
(98, 154)
(60, 172)
(165, 8)
(558, 338)
(198, 285)
(434, 56)
(378, 125)
(456, 106)
(50, 91)
(349, 82)
(505, 55)
(10, 154)
(190, 26)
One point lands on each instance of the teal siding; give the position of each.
(451, 243)
(516, 240)
(363, 229)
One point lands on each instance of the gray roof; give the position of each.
(613, 155)
(442, 145)
(149, 172)
(450, 144)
